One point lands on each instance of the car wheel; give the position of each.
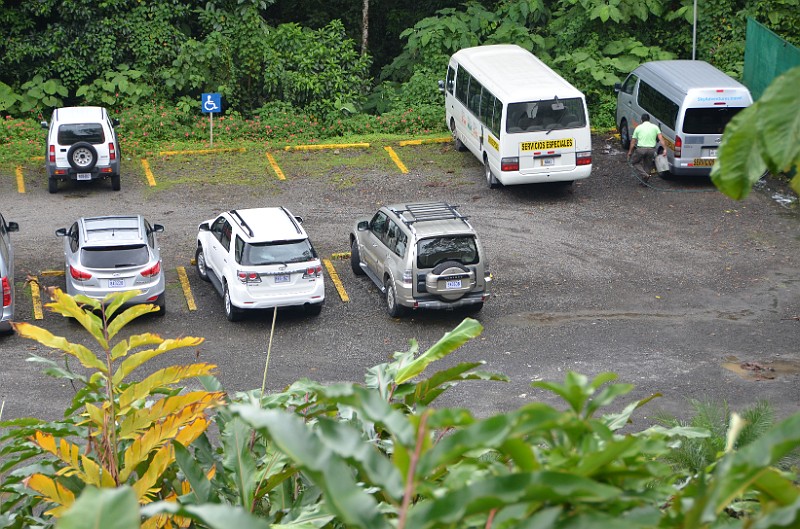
(52, 185)
(474, 308)
(116, 185)
(231, 312)
(161, 303)
(394, 309)
(624, 135)
(82, 156)
(313, 309)
(355, 259)
(491, 181)
(458, 143)
(200, 264)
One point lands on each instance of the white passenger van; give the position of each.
(690, 100)
(522, 120)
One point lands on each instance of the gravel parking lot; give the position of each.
(678, 289)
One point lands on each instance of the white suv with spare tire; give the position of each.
(81, 145)
(421, 256)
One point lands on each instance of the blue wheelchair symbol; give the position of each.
(211, 103)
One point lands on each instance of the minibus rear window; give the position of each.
(708, 120)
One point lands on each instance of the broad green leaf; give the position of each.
(238, 460)
(466, 330)
(201, 486)
(210, 515)
(102, 509)
(739, 164)
(779, 128)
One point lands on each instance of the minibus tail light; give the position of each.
(583, 158)
(678, 146)
(509, 164)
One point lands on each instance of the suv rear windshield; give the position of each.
(280, 252)
(115, 256)
(708, 120)
(436, 250)
(73, 133)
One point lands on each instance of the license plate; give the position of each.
(84, 176)
(453, 284)
(282, 278)
(548, 161)
(116, 283)
(710, 153)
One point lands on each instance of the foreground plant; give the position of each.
(116, 431)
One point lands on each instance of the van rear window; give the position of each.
(73, 133)
(708, 120)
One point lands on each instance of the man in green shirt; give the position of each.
(646, 137)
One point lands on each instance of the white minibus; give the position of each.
(690, 100)
(522, 120)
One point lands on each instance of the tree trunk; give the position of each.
(364, 27)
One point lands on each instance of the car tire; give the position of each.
(393, 308)
(313, 309)
(355, 259)
(116, 184)
(624, 135)
(231, 312)
(82, 156)
(52, 185)
(456, 140)
(200, 264)
(491, 180)
(161, 303)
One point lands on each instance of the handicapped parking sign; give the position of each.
(211, 103)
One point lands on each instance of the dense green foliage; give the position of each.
(121, 53)
(374, 455)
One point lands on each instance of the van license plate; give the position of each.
(84, 176)
(282, 279)
(453, 284)
(710, 153)
(112, 283)
(548, 161)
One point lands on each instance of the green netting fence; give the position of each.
(766, 56)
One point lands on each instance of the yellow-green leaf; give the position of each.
(137, 359)
(52, 491)
(162, 377)
(144, 418)
(138, 340)
(126, 317)
(44, 337)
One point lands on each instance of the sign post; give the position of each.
(211, 103)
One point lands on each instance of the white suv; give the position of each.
(81, 145)
(260, 258)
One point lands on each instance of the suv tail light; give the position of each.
(583, 158)
(509, 164)
(246, 277)
(678, 146)
(112, 153)
(313, 272)
(79, 275)
(152, 271)
(407, 276)
(6, 292)
(52, 154)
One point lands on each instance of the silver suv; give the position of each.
(424, 255)
(6, 274)
(114, 254)
(81, 145)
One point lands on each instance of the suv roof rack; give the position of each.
(246, 227)
(429, 211)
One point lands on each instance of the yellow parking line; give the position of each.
(319, 146)
(52, 273)
(426, 140)
(20, 181)
(396, 159)
(275, 167)
(187, 291)
(336, 281)
(36, 298)
(148, 173)
(203, 151)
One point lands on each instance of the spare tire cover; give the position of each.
(450, 281)
(82, 156)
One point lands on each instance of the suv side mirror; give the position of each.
(157, 228)
(115, 122)
(298, 219)
(204, 227)
(61, 232)
(12, 226)
(44, 125)
(363, 225)
(441, 86)
(617, 87)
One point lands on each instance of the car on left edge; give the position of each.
(6, 274)
(81, 145)
(114, 254)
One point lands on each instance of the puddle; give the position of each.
(756, 371)
(783, 197)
